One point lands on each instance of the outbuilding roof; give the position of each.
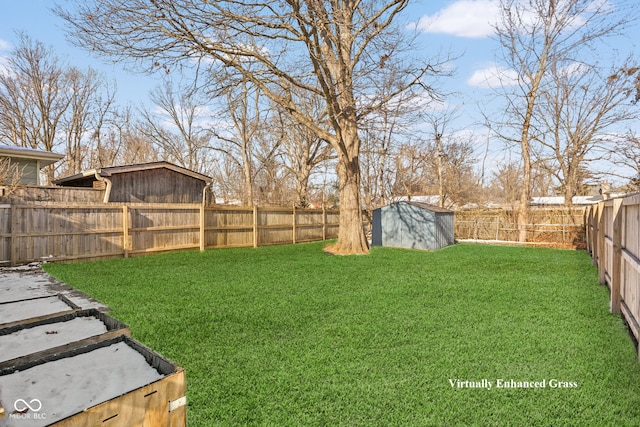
(113, 170)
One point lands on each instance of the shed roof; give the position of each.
(432, 208)
(46, 157)
(113, 170)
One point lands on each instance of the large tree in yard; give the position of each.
(340, 50)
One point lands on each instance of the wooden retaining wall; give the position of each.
(54, 231)
(613, 240)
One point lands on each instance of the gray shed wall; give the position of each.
(405, 225)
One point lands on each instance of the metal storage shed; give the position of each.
(412, 225)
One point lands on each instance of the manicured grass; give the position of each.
(289, 336)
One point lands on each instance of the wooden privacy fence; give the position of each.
(50, 231)
(556, 226)
(613, 240)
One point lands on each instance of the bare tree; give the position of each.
(303, 152)
(536, 37)
(119, 140)
(10, 176)
(449, 169)
(33, 97)
(81, 116)
(246, 118)
(339, 51)
(582, 104)
(176, 126)
(227, 179)
(409, 169)
(385, 131)
(506, 183)
(440, 122)
(626, 153)
(105, 114)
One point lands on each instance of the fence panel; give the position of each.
(332, 224)
(228, 227)
(48, 231)
(614, 244)
(161, 228)
(560, 226)
(275, 226)
(32, 232)
(309, 225)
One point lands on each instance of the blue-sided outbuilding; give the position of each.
(412, 225)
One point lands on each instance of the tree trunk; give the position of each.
(525, 193)
(569, 192)
(302, 187)
(351, 236)
(246, 170)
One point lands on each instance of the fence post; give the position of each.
(255, 226)
(324, 223)
(617, 256)
(125, 231)
(594, 234)
(293, 237)
(602, 250)
(586, 220)
(14, 233)
(202, 223)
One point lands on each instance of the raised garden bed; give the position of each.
(114, 382)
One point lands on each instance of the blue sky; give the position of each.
(35, 18)
(466, 37)
(460, 26)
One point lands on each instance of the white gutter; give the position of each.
(204, 194)
(107, 192)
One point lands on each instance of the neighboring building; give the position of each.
(29, 162)
(559, 200)
(157, 182)
(412, 225)
(430, 200)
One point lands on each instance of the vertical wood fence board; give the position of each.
(601, 245)
(616, 259)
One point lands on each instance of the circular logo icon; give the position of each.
(22, 405)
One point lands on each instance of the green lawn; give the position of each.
(286, 335)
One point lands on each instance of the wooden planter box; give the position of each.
(113, 382)
(14, 313)
(34, 340)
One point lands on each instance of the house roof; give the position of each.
(46, 157)
(114, 170)
(428, 199)
(559, 200)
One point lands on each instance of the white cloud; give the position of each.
(5, 45)
(463, 18)
(492, 77)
